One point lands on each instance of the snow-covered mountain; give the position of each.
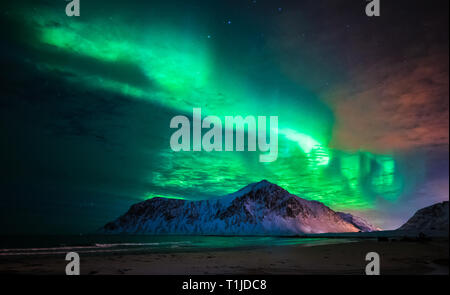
(429, 219)
(358, 222)
(260, 208)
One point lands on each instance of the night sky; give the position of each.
(86, 102)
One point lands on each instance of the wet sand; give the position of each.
(397, 258)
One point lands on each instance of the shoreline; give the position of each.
(397, 258)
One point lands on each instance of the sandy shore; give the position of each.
(396, 258)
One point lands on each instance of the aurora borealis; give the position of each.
(362, 105)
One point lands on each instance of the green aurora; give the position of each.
(183, 73)
(86, 108)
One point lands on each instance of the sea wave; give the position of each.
(95, 248)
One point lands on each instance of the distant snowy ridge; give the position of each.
(358, 222)
(260, 208)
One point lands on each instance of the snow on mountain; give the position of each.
(358, 222)
(260, 208)
(429, 219)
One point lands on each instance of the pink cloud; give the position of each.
(395, 105)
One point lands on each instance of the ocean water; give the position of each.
(98, 244)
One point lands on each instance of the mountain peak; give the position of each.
(430, 219)
(258, 208)
(265, 181)
(259, 185)
(253, 187)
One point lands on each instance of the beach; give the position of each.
(344, 258)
